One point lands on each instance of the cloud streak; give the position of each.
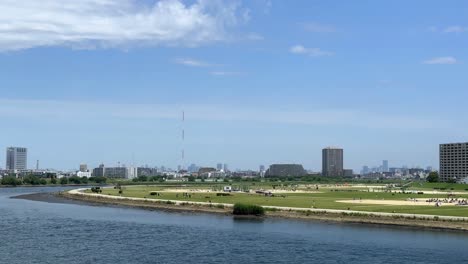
(71, 111)
(116, 23)
(192, 62)
(318, 28)
(441, 60)
(312, 52)
(449, 29)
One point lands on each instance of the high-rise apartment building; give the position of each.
(332, 162)
(262, 168)
(219, 166)
(83, 167)
(453, 161)
(16, 158)
(385, 166)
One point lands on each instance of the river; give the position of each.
(44, 232)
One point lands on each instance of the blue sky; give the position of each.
(260, 81)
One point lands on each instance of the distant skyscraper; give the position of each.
(219, 166)
(453, 161)
(225, 167)
(262, 168)
(332, 162)
(385, 166)
(365, 170)
(83, 167)
(16, 158)
(192, 168)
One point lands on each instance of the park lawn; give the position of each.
(324, 200)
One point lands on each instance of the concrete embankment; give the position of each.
(331, 215)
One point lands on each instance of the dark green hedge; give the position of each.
(248, 209)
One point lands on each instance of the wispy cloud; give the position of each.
(116, 23)
(441, 60)
(456, 29)
(254, 37)
(313, 52)
(318, 28)
(225, 73)
(449, 29)
(70, 111)
(192, 62)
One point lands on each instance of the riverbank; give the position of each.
(335, 216)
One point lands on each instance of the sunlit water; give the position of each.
(40, 232)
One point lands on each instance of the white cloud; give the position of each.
(456, 29)
(115, 23)
(319, 28)
(313, 52)
(449, 29)
(70, 111)
(224, 73)
(254, 37)
(192, 62)
(441, 60)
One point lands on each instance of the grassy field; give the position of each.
(325, 199)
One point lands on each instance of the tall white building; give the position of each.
(16, 158)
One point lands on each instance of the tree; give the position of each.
(9, 180)
(53, 181)
(31, 180)
(75, 180)
(64, 181)
(433, 177)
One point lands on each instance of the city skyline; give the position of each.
(261, 82)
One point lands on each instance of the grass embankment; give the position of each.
(326, 198)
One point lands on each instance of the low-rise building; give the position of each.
(285, 170)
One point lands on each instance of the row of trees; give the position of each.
(143, 178)
(34, 180)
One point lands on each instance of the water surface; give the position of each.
(41, 232)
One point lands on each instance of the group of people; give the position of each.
(455, 201)
(185, 195)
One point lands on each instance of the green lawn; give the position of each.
(325, 200)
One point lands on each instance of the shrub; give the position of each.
(248, 209)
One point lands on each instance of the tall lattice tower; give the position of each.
(183, 141)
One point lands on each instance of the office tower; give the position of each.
(16, 158)
(83, 167)
(100, 171)
(225, 167)
(453, 161)
(219, 166)
(385, 166)
(365, 170)
(332, 162)
(262, 168)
